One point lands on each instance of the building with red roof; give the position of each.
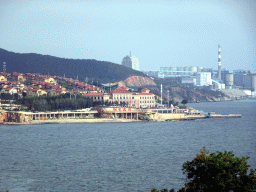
(138, 100)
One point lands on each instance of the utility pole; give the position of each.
(161, 94)
(168, 98)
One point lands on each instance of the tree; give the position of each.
(24, 94)
(184, 102)
(16, 96)
(220, 171)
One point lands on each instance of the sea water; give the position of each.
(120, 156)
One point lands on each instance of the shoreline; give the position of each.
(71, 121)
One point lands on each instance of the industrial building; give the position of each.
(203, 79)
(218, 84)
(244, 79)
(168, 72)
(229, 80)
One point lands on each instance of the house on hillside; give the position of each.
(50, 80)
(21, 78)
(3, 78)
(17, 77)
(35, 92)
(10, 90)
(56, 92)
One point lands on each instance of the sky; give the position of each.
(160, 33)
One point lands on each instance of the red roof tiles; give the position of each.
(122, 89)
(145, 93)
(94, 94)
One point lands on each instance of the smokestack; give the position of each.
(219, 62)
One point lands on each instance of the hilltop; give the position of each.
(81, 69)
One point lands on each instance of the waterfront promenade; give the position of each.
(106, 115)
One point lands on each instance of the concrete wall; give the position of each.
(172, 116)
(254, 83)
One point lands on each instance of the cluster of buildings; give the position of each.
(207, 77)
(198, 76)
(37, 84)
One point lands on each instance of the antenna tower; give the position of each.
(4, 67)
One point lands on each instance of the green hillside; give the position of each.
(101, 71)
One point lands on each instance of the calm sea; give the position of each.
(120, 156)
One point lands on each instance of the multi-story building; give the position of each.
(243, 79)
(167, 72)
(144, 99)
(203, 79)
(131, 62)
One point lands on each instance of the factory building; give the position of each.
(131, 62)
(203, 79)
(229, 80)
(169, 72)
(254, 83)
(191, 80)
(243, 79)
(218, 84)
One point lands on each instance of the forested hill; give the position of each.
(101, 71)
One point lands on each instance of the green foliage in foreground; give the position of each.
(220, 171)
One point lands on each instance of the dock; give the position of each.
(218, 116)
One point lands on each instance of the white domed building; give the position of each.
(131, 62)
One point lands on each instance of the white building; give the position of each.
(167, 72)
(203, 79)
(191, 80)
(218, 84)
(131, 62)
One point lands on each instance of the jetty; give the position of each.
(174, 114)
(218, 116)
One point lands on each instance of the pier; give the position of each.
(125, 113)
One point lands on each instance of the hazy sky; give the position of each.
(159, 33)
